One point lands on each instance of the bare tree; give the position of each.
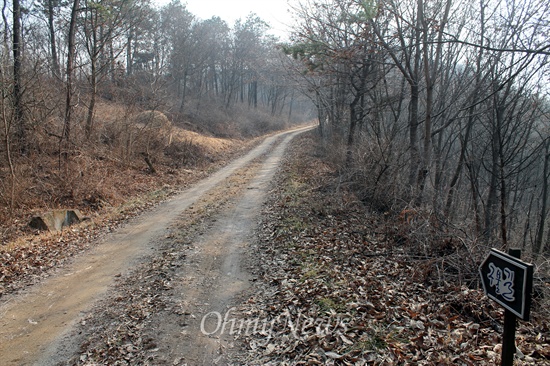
(50, 9)
(463, 73)
(17, 78)
(103, 23)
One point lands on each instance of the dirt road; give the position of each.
(192, 245)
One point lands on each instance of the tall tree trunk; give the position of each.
(503, 204)
(241, 84)
(6, 26)
(129, 53)
(21, 132)
(7, 147)
(471, 115)
(413, 135)
(320, 114)
(439, 174)
(253, 94)
(492, 198)
(463, 147)
(426, 153)
(430, 75)
(414, 81)
(356, 108)
(215, 80)
(351, 133)
(70, 71)
(93, 96)
(113, 69)
(527, 225)
(53, 47)
(537, 245)
(546, 250)
(502, 178)
(94, 56)
(475, 197)
(290, 106)
(184, 93)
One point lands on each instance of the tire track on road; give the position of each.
(31, 322)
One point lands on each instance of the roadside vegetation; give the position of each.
(115, 106)
(432, 149)
(433, 146)
(341, 283)
(435, 115)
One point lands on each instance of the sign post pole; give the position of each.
(508, 281)
(509, 333)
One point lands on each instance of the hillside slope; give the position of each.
(342, 284)
(107, 188)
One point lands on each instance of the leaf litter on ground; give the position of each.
(333, 287)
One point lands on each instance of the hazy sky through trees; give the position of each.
(275, 12)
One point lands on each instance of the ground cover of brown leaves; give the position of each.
(335, 289)
(109, 195)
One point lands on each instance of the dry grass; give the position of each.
(212, 145)
(105, 182)
(105, 170)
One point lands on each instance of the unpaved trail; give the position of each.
(35, 326)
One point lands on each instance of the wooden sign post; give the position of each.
(508, 281)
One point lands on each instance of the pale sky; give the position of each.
(275, 12)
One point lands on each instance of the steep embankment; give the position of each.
(109, 191)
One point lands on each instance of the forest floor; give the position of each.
(270, 261)
(341, 283)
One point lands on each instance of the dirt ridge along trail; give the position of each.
(32, 321)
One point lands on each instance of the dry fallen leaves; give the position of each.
(332, 288)
(336, 290)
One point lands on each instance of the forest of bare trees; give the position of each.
(432, 147)
(441, 109)
(74, 73)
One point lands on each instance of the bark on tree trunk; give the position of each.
(537, 245)
(6, 25)
(351, 132)
(430, 74)
(184, 93)
(21, 133)
(290, 107)
(7, 142)
(413, 135)
(471, 117)
(91, 106)
(53, 47)
(458, 171)
(320, 115)
(70, 71)
(475, 198)
(425, 162)
(491, 200)
(129, 53)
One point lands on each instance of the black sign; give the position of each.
(508, 281)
